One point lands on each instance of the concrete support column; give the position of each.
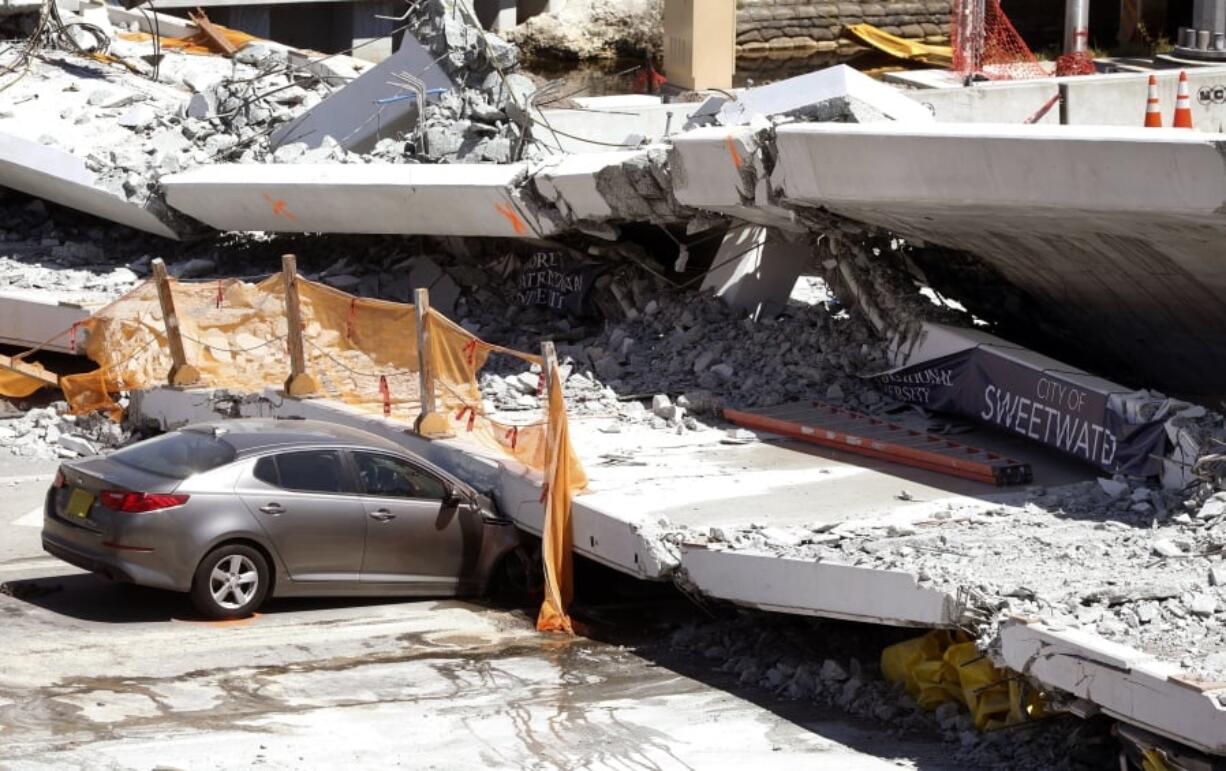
(756, 269)
(367, 28)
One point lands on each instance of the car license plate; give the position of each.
(79, 503)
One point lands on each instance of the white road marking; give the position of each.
(32, 518)
(19, 567)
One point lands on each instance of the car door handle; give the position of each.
(274, 509)
(382, 515)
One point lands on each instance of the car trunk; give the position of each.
(76, 501)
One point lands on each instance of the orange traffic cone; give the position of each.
(1153, 115)
(1183, 103)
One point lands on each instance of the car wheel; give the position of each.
(231, 582)
(519, 580)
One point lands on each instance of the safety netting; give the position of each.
(361, 351)
(984, 42)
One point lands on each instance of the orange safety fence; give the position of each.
(985, 42)
(361, 351)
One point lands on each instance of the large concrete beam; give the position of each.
(1121, 681)
(358, 115)
(724, 170)
(756, 269)
(35, 318)
(444, 200)
(62, 177)
(1113, 232)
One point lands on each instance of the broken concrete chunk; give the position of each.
(77, 444)
(137, 117)
(1164, 547)
(1112, 487)
(1203, 604)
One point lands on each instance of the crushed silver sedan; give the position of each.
(238, 511)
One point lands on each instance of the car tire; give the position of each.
(231, 582)
(518, 580)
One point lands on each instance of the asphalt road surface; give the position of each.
(98, 675)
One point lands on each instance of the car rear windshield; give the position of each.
(178, 455)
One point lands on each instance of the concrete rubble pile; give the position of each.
(833, 665)
(1119, 557)
(52, 432)
(1147, 562)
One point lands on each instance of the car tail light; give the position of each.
(59, 479)
(136, 503)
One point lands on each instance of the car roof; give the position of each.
(250, 436)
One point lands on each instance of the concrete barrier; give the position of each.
(1005, 102)
(1119, 99)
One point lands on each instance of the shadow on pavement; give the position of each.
(92, 598)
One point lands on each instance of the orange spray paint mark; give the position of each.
(280, 208)
(736, 156)
(510, 214)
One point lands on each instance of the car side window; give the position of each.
(386, 476)
(311, 471)
(266, 471)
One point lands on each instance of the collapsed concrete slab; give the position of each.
(373, 106)
(63, 177)
(32, 318)
(741, 538)
(756, 268)
(838, 93)
(1057, 213)
(602, 126)
(1119, 681)
(455, 200)
(726, 170)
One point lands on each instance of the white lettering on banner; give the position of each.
(544, 282)
(1050, 425)
(930, 376)
(912, 394)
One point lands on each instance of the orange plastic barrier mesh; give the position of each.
(564, 477)
(984, 42)
(362, 351)
(18, 386)
(198, 44)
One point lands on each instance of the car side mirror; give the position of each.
(453, 497)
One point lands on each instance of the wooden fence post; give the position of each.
(429, 423)
(299, 382)
(181, 373)
(550, 355)
(21, 367)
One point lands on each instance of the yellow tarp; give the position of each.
(18, 386)
(901, 48)
(564, 476)
(944, 666)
